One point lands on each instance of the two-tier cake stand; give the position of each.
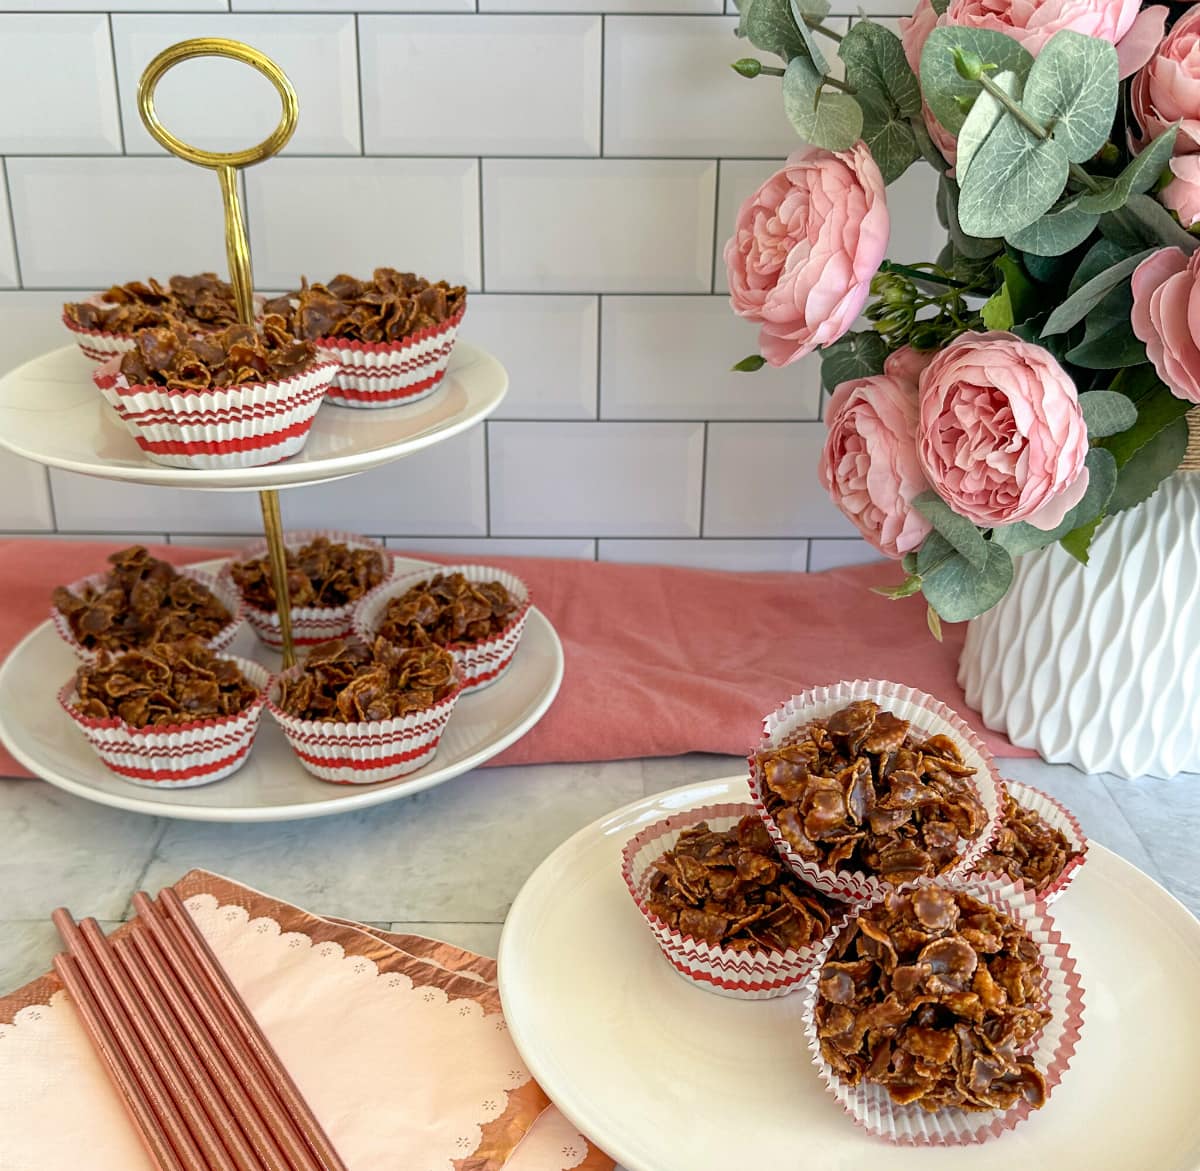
(51, 412)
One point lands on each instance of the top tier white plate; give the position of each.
(51, 412)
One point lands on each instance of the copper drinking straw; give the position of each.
(227, 164)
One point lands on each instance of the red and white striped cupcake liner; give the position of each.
(391, 374)
(222, 590)
(177, 756)
(1060, 818)
(481, 663)
(363, 753)
(243, 426)
(310, 624)
(742, 975)
(99, 344)
(872, 1107)
(928, 715)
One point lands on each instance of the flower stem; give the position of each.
(818, 27)
(771, 71)
(833, 83)
(917, 274)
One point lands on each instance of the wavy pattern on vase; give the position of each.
(1099, 666)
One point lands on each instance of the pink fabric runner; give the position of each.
(659, 660)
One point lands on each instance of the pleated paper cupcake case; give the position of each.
(929, 716)
(99, 344)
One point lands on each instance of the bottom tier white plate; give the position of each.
(271, 785)
(666, 1077)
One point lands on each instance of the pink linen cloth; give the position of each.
(659, 660)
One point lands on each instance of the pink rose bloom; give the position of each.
(907, 363)
(1166, 316)
(1182, 194)
(804, 250)
(1169, 87)
(914, 32)
(869, 465)
(1001, 436)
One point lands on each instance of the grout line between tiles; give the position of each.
(703, 479)
(712, 284)
(362, 122)
(603, 44)
(599, 357)
(112, 56)
(479, 200)
(487, 477)
(12, 223)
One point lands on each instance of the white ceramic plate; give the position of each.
(271, 785)
(51, 412)
(666, 1077)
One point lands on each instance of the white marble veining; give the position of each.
(447, 862)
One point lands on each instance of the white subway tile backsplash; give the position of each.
(353, 5)
(603, 225)
(30, 324)
(83, 223)
(548, 347)
(839, 553)
(761, 482)
(469, 79)
(86, 504)
(114, 5)
(566, 549)
(670, 358)
(915, 232)
(223, 105)
(737, 556)
(669, 90)
(657, 6)
(596, 479)
(57, 90)
(325, 216)
(24, 494)
(740, 178)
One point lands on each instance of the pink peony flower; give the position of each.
(907, 363)
(804, 250)
(1182, 194)
(1166, 316)
(914, 32)
(1001, 436)
(869, 465)
(1169, 86)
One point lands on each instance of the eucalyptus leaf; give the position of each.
(856, 355)
(1077, 306)
(958, 591)
(1020, 538)
(770, 25)
(1157, 409)
(1102, 255)
(941, 83)
(820, 116)
(925, 144)
(982, 119)
(813, 11)
(1048, 270)
(1072, 90)
(1152, 463)
(889, 136)
(1144, 222)
(1056, 233)
(1106, 412)
(972, 247)
(1102, 480)
(959, 532)
(812, 50)
(1014, 179)
(1109, 342)
(1140, 175)
(875, 60)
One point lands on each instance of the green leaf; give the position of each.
(1106, 412)
(822, 117)
(939, 6)
(1152, 463)
(1109, 341)
(1072, 91)
(889, 137)
(1140, 175)
(933, 622)
(1048, 270)
(959, 532)
(909, 563)
(857, 355)
(750, 363)
(1056, 233)
(1144, 222)
(940, 80)
(958, 591)
(1157, 409)
(875, 60)
(1020, 538)
(812, 10)
(1102, 255)
(770, 26)
(997, 312)
(1024, 296)
(971, 247)
(909, 586)
(981, 121)
(1077, 306)
(1078, 542)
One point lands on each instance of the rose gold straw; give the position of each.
(219, 1112)
(230, 1000)
(176, 1135)
(117, 1066)
(276, 1124)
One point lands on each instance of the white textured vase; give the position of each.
(1099, 666)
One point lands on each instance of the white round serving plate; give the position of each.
(51, 412)
(271, 785)
(664, 1076)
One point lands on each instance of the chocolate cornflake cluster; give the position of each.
(387, 308)
(448, 610)
(933, 994)
(730, 889)
(166, 683)
(346, 681)
(1027, 848)
(203, 302)
(861, 790)
(170, 356)
(143, 600)
(321, 574)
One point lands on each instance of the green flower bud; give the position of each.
(968, 64)
(747, 67)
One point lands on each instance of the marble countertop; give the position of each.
(449, 861)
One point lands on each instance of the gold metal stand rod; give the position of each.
(277, 556)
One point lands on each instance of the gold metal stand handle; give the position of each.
(237, 248)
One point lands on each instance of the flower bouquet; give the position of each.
(1033, 378)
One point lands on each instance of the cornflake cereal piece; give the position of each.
(387, 308)
(143, 601)
(1026, 848)
(861, 790)
(346, 681)
(448, 610)
(321, 574)
(934, 994)
(234, 356)
(203, 302)
(165, 684)
(730, 889)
